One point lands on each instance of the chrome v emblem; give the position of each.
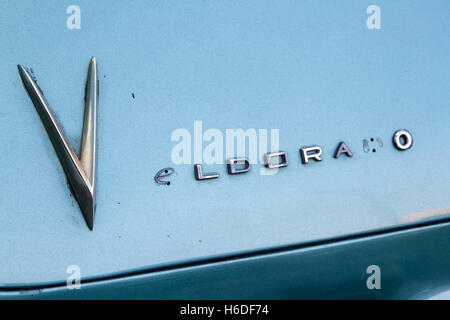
(80, 172)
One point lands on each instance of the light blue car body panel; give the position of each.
(311, 69)
(413, 264)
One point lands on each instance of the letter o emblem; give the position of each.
(403, 140)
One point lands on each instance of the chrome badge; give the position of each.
(79, 171)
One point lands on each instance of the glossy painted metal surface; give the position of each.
(80, 172)
(413, 265)
(311, 69)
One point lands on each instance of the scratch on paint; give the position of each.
(424, 215)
